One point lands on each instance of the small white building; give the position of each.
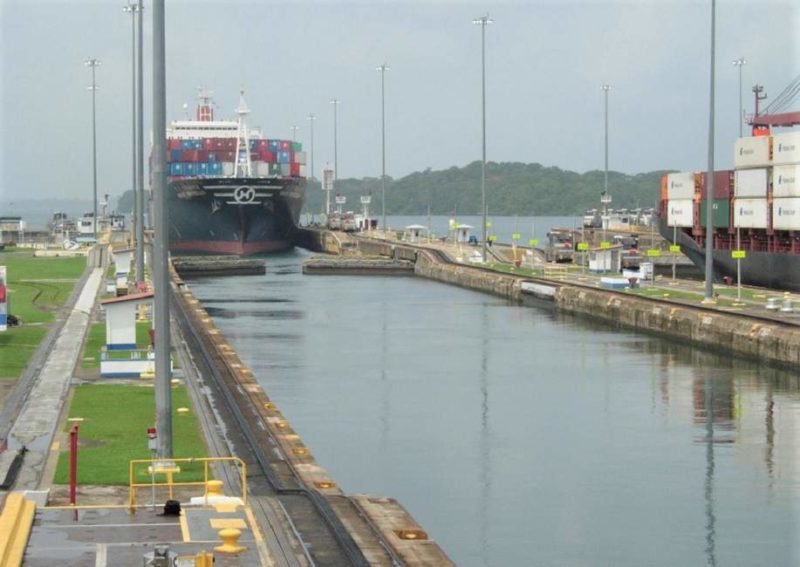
(605, 259)
(461, 232)
(414, 233)
(121, 319)
(122, 260)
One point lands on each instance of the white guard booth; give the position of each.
(602, 260)
(461, 233)
(122, 261)
(414, 233)
(120, 358)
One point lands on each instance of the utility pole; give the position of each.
(483, 21)
(131, 9)
(163, 386)
(740, 62)
(709, 271)
(383, 68)
(335, 103)
(94, 64)
(140, 151)
(311, 119)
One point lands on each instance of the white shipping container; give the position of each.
(262, 169)
(302, 171)
(300, 157)
(786, 181)
(286, 169)
(227, 168)
(680, 186)
(680, 212)
(786, 148)
(750, 183)
(750, 213)
(751, 152)
(786, 214)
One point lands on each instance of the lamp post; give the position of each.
(294, 132)
(709, 268)
(383, 68)
(740, 62)
(131, 8)
(335, 102)
(483, 21)
(94, 64)
(140, 149)
(606, 198)
(311, 119)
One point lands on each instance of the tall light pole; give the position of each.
(335, 102)
(140, 150)
(94, 64)
(740, 62)
(163, 391)
(383, 68)
(294, 132)
(131, 9)
(483, 21)
(606, 198)
(311, 119)
(709, 292)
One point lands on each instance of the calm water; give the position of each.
(517, 436)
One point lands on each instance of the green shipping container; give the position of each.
(274, 169)
(297, 147)
(720, 213)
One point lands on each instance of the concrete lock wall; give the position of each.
(744, 336)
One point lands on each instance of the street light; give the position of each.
(740, 62)
(131, 8)
(311, 119)
(335, 103)
(606, 198)
(709, 267)
(94, 64)
(140, 148)
(483, 21)
(294, 132)
(383, 68)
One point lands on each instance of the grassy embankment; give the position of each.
(37, 288)
(113, 432)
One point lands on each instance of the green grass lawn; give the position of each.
(37, 288)
(113, 432)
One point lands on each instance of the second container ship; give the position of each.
(231, 191)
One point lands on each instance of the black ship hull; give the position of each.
(777, 270)
(240, 216)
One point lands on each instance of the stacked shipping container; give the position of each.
(785, 181)
(216, 157)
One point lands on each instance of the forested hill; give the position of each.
(511, 189)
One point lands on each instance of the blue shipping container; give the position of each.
(176, 168)
(189, 168)
(274, 145)
(198, 144)
(212, 156)
(187, 144)
(175, 155)
(284, 157)
(202, 168)
(215, 168)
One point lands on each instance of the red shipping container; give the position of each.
(285, 145)
(230, 143)
(255, 157)
(173, 144)
(723, 185)
(219, 144)
(226, 156)
(262, 145)
(189, 155)
(294, 170)
(208, 143)
(202, 155)
(267, 156)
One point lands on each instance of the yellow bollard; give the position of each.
(214, 488)
(204, 559)
(230, 541)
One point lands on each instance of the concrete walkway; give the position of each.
(38, 419)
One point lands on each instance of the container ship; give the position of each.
(755, 210)
(230, 190)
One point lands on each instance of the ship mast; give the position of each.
(243, 165)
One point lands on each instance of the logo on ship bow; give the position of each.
(244, 194)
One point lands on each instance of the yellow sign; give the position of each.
(533, 242)
(488, 224)
(583, 246)
(654, 252)
(675, 248)
(738, 254)
(605, 244)
(515, 236)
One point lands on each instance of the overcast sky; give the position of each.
(545, 63)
